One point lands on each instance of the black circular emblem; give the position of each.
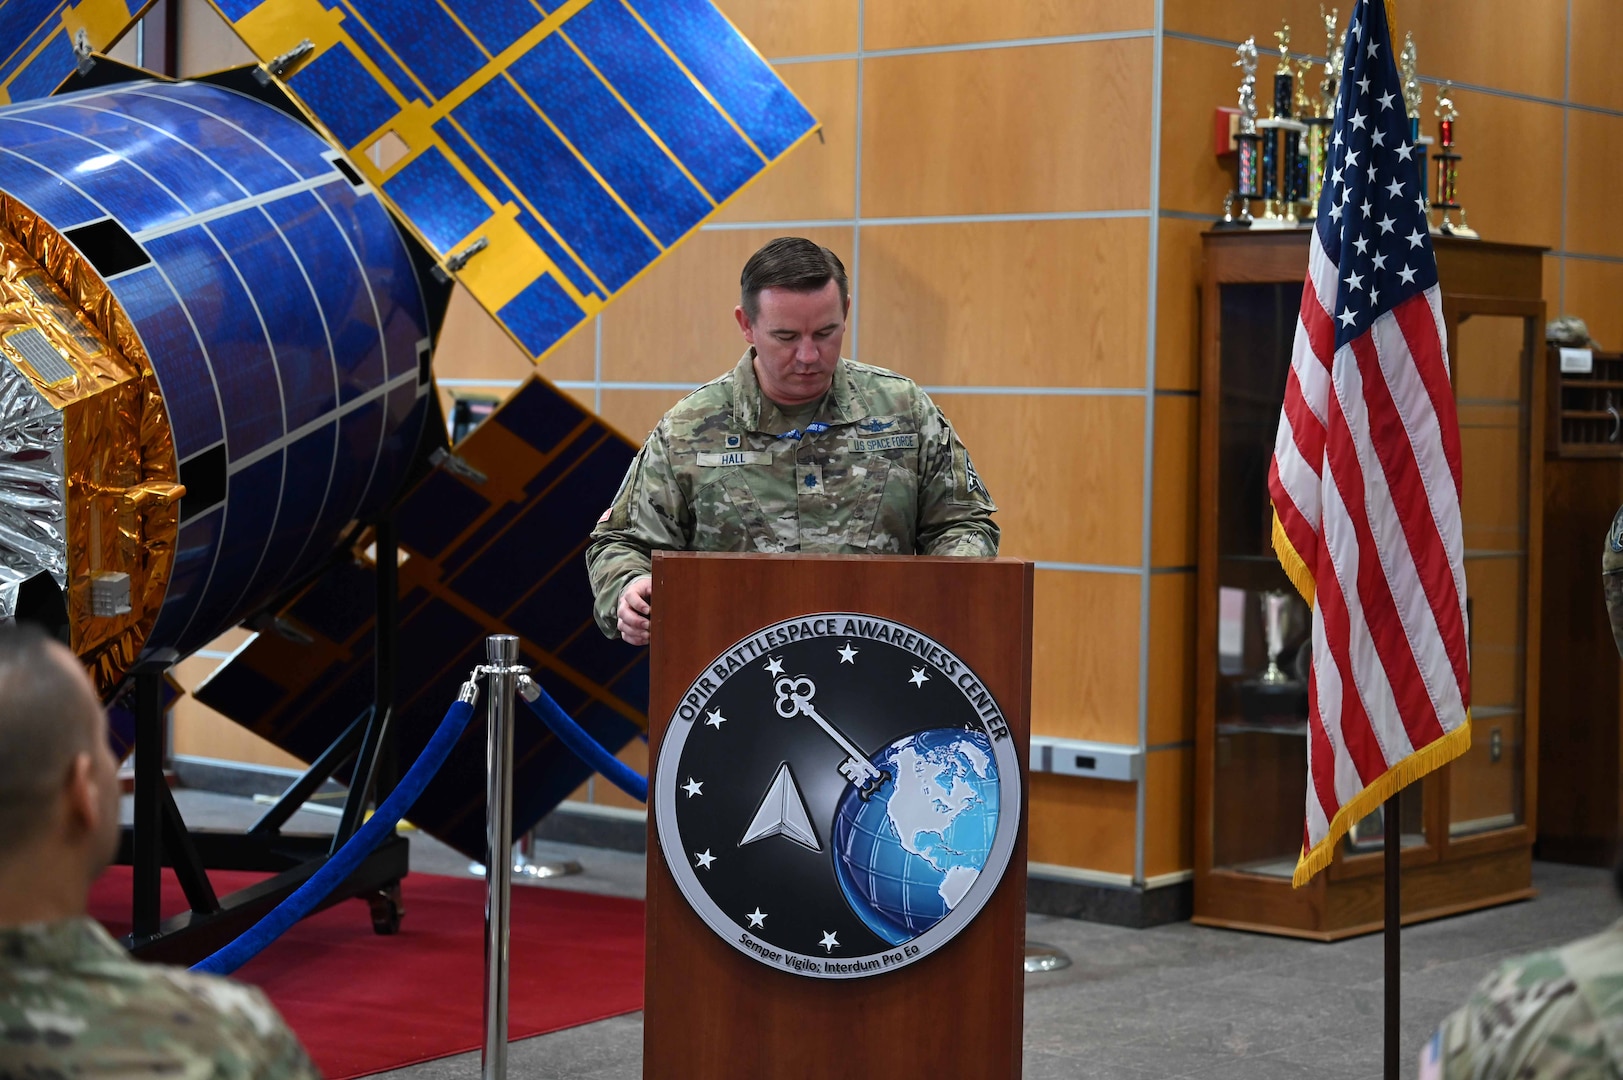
(837, 795)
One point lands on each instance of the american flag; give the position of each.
(1365, 478)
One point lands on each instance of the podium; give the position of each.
(795, 702)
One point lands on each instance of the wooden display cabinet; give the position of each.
(1581, 702)
(1467, 828)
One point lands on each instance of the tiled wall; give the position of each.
(1018, 190)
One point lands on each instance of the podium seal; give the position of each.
(837, 795)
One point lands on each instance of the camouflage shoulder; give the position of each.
(705, 407)
(895, 392)
(246, 1023)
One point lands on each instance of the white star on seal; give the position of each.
(829, 942)
(774, 666)
(756, 917)
(918, 678)
(705, 858)
(848, 655)
(716, 719)
(692, 787)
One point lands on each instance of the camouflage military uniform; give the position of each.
(1550, 1016)
(879, 471)
(74, 1004)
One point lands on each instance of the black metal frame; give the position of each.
(158, 836)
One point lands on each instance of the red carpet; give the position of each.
(364, 1003)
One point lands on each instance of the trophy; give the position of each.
(1448, 167)
(1323, 120)
(1246, 141)
(1281, 137)
(1276, 696)
(1411, 103)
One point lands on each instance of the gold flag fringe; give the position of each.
(1295, 566)
(1418, 764)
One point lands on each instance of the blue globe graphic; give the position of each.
(907, 854)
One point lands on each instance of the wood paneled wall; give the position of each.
(1023, 235)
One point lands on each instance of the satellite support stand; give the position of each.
(158, 835)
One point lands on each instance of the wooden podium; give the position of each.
(712, 1011)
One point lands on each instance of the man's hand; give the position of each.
(633, 609)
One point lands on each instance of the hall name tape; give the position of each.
(735, 457)
(861, 445)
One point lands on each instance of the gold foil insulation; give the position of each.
(116, 450)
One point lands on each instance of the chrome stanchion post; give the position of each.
(501, 651)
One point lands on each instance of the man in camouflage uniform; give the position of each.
(72, 1002)
(795, 449)
(1555, 1015)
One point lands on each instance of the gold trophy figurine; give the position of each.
(1412, 97)
(1448, 167)
(1334, 57)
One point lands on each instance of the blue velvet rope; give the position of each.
(339, 866)
(587, 748)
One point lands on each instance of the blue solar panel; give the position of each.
(345, 301)
(45, 72)
(309, 464)
(559, 187)
(581, 107)
(253, 495)
(666, 98)
(733, 72)
(541, 315)
(360, 432)
(405, 407)
(342, 93)
(48, 194)
(378, 246)
(181, 113)
(171, 344)
(437, 511)
(425, 39)
(567, 264)
(192, 179)
(105, 179)
(282, 295)
(23, 25)
(543, 618)
(539, 415)
(496, 24)
(293, 147)
(230, 329)
(194, 558)
(437, 200)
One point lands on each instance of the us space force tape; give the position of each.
(581, 744)
(341, 864)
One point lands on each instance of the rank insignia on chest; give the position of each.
(809, 479)
(734, 441)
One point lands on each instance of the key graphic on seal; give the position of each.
(795, 699)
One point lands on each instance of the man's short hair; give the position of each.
(793, 263)
(43, 725)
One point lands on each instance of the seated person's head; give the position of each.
(58, 780)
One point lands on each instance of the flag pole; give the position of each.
(1394, 926)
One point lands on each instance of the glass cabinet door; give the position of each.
(1493, 386)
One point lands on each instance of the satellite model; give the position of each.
(218, 316)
